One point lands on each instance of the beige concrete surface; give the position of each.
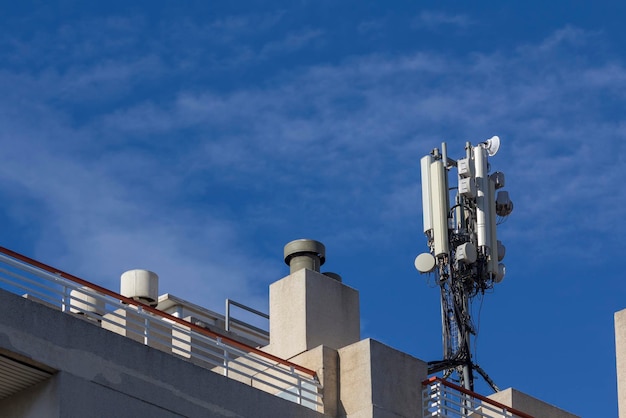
(308, 309)
(324, 361)
(532, 406)
(620, 359)
(377, 381)
(132, 325)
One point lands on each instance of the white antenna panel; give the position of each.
(466, 253)
(467, 187)
(483, 234)
(439, 202)
(425, 163)
(465, 168)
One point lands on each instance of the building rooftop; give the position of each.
(136, 352)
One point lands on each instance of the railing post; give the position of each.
(66, 303)
(299, 385)
(146, 325)
(227, 316)
(440, 397)
(467, 404)
(225, 357)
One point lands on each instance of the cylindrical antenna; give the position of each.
(483, 232)
(439, 193)
(425, 163)
(493, 258)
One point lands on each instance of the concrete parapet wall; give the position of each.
(324, 361)
(532, 406)
(377, 381)
(309, 309)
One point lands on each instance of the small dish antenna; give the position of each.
(425, 263)
(492, 145)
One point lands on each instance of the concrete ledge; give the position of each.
(377, 381)
(526, 403)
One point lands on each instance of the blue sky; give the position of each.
(196, 140)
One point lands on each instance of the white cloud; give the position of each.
(337, 145)
(435, 19)
(291, 43)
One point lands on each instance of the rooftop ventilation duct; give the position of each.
(304, 254)
(333, 276)
(83, 300)
(140, 285)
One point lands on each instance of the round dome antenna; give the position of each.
(492, 145)
(425, 263)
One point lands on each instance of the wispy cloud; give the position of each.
(179, 183)
(291, 43)
(435, 19)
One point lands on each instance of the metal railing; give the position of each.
(441, 398)
(228, 319)
(102, 307)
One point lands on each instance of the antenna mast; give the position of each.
(465, 253)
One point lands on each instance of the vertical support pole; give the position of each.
(440, 398)
(67, 300)
(225, 357)
(299, 385)
(146, 326)
(468, 375)
(227, 315)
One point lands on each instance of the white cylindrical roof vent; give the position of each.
(83, 300)
(140, 285)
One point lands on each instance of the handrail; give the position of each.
(482, 398)
(153, 311)
(228, 319)
(161, 330)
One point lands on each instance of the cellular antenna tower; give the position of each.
(465, 254)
